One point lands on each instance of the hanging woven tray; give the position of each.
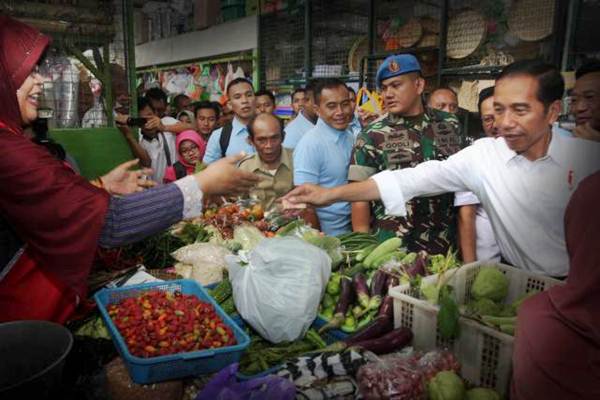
(532, 20)
(466, 32)
(410, 33)
(359, 49)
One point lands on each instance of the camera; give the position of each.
(136, 121)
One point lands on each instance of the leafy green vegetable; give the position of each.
(490, 283)
(330, 244)
(448, 316)
(483, 307)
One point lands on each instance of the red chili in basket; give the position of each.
(158, 323)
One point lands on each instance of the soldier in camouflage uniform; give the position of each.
(395, 141)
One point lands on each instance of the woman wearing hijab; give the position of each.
(557, 345)
(52, 220)
(190, 151)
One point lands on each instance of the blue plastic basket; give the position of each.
(337, 334)
(174, 366)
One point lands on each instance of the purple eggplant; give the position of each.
(362, 290)
(387, 308)
(374, 329)
(344, 302)
(417, 267)
(391, 341)
(377, 289)
(392, 281)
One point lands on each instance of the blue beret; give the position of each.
(395, 65)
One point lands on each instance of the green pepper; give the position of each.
(333, 286)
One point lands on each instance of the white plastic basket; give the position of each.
(485, 354)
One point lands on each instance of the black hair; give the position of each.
(208, 105)
(250, 125)
(156, 94)
(218, 105)
(590, 66)
(351, 89)
(144, 102)
(326, 83)
(444, 88)
(298, 90)
(310, 86)
(551, 85)
(266, 93)
(484, 95)
(178, 98)
(237, 81)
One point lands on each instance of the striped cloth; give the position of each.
(133, 217)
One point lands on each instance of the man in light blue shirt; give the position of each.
(304, 121)
(233, 138)
(323, 154)
(355, 127)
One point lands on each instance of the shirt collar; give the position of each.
(256, 163)
(336, 134)
(303, 117)
(555, 151)
(237, 126)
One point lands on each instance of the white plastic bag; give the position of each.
(207, 262)
(278, 291)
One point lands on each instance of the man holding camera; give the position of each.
(156, 147)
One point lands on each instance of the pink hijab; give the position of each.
(192, 136)
(170, 175)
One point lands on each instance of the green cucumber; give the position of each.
(388, 246)
(365, 252)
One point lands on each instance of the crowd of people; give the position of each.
(330, 142)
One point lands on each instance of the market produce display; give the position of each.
(157, 323)
(355, 302)
(357, 293)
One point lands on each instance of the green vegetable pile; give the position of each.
(262, 355)
(447, 385)
(489, 291)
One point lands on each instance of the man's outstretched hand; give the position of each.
(224, 178)
(308, 194)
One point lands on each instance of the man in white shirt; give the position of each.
(475, 234)
(523, 179)
(155, 148)
(304, 121)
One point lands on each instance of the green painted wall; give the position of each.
(97, 150)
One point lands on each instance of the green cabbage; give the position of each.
(482, 394)
(248, 236)
(491, 284)
(484, 307)
(446, 385)
(330, 244)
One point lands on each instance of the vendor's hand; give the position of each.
(308, 194)
(122, 181)
(154, 122)
(224, 178)
(585, 131)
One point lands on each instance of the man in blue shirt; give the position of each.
(323, 154)
(304, 121)
(233, 138)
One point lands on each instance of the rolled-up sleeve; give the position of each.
(427, 179)
(133, 217)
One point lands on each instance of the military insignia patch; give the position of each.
(394, 66)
